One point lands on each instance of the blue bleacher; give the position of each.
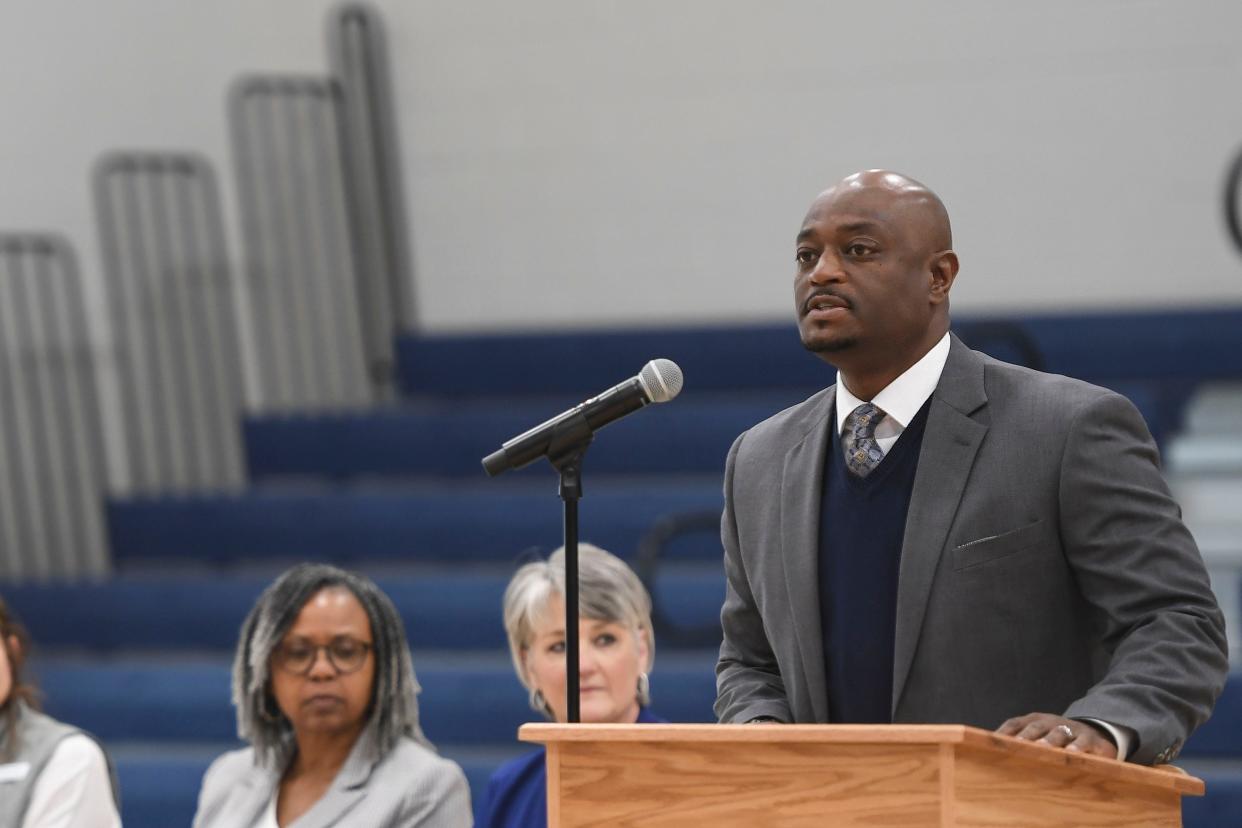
(1099, 347)
(735, 376)
(689, 436)
(441, 610)
(159, 785)
(1221, 807)
(468, 705)
(398, 492)
(468, 523)
(472, 700)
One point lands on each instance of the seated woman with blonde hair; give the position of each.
(616, 651)
(326, 697)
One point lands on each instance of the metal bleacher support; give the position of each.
(373, 184)
(301, 264)
(174, 321)
(51, 481)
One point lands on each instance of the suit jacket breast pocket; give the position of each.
(994, 547)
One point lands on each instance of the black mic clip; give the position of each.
(570, 439)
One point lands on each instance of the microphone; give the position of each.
(659, 381)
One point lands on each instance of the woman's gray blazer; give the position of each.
(411, 786)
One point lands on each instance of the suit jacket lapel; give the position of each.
(250, 795)
(802, 486)
(950, 443)
(346, 790)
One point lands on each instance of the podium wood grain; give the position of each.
(840, 775)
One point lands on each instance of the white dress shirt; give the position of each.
(900, 400)
(268, 818)
(74, 790)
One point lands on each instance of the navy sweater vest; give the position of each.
(862, 521)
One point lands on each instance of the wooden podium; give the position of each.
(841, 775)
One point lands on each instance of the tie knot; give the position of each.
(862, 421)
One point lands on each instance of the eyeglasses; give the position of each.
(345, 654)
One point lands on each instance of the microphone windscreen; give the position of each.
(661, 379)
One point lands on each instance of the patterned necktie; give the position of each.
(862, 452)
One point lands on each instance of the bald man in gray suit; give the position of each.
(943, 537)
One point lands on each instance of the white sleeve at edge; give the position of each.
(1121, 736)
(74, 790)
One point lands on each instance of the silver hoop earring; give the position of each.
(644, 689)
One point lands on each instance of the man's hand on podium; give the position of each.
(1071, 734)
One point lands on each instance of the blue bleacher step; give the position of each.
(1156, 358)
(1221, 805)
(489, 521)
(465, 700)
(1162, 345)
(159, 782)
(441, 610)
(582, 363)
(690, 434)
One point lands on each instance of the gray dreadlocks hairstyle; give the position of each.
(393, 710)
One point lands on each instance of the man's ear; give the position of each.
(943, 270)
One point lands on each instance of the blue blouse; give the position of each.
(516, 794)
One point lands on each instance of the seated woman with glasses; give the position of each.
(326, 697)
(616, 648)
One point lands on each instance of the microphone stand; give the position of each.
(568, 446)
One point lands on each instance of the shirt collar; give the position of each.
(902, 398)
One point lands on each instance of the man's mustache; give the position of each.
(842, 301)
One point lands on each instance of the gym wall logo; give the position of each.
(1233, 196)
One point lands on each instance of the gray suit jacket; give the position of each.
(1044, 566)
(411, 786)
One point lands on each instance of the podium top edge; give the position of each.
(829, 734)
(1165, 777)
